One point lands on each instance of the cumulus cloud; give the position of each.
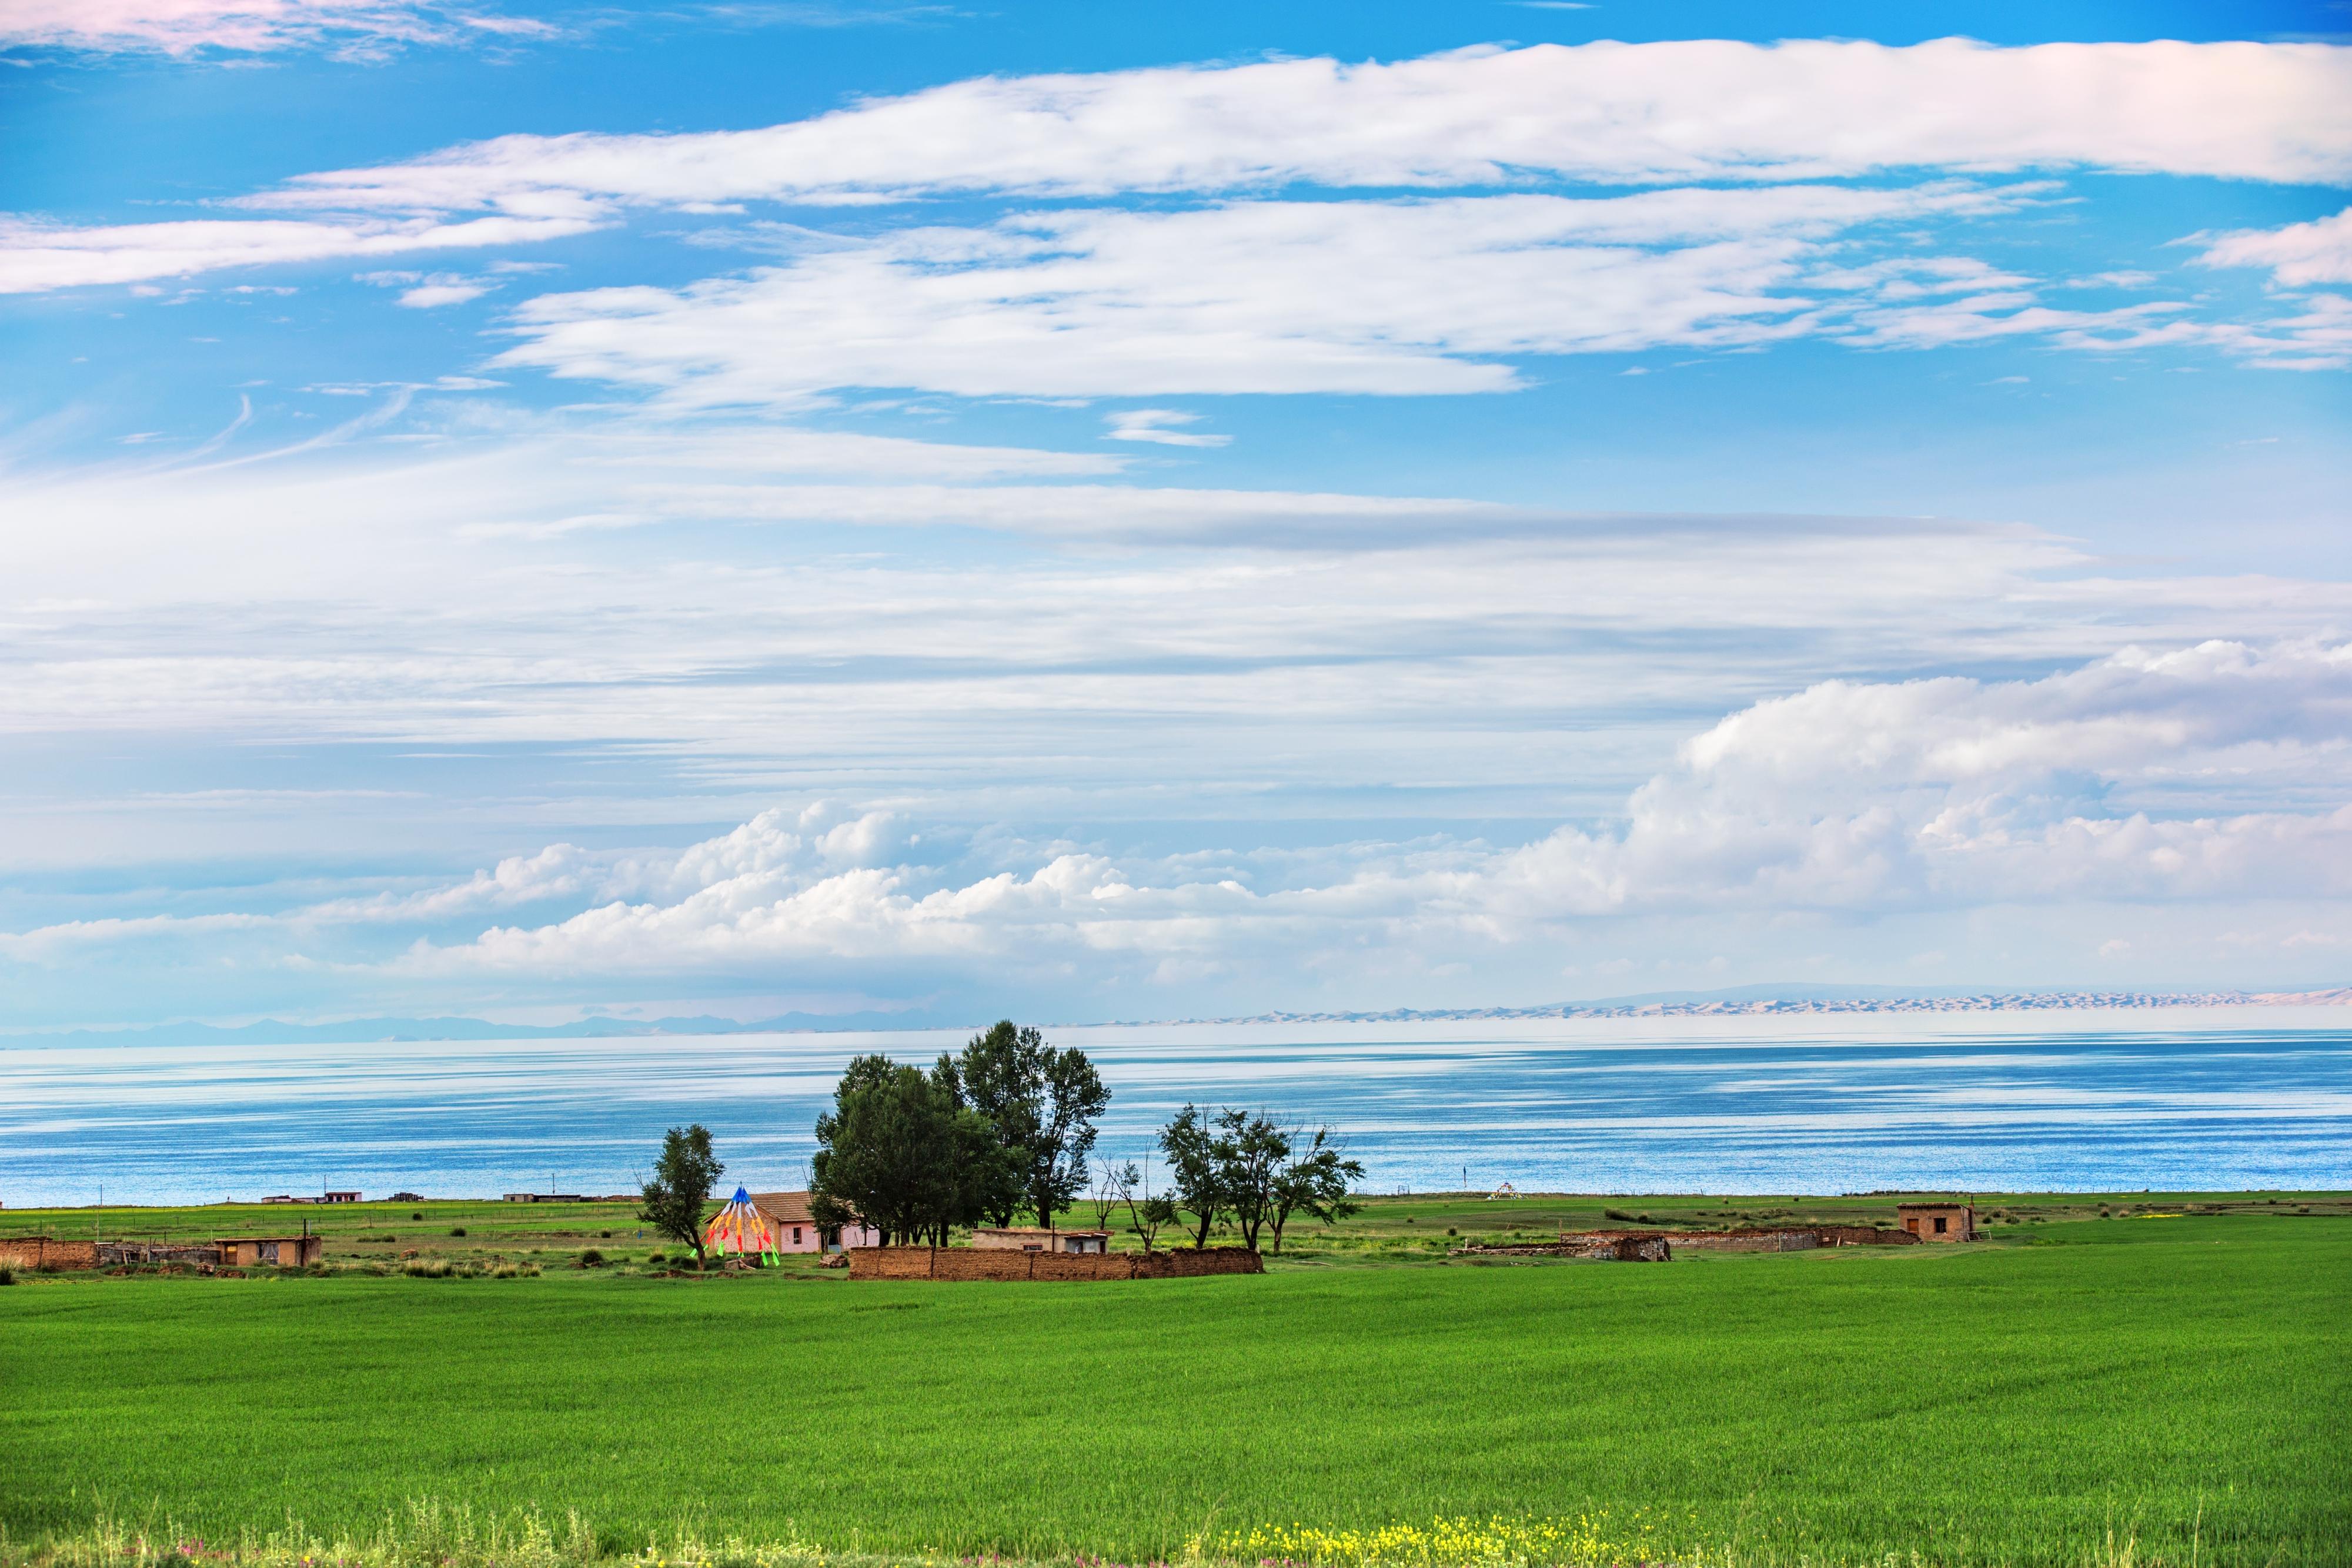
(1860, 802)
(1613, 114)
(1857, 798)
(353, 27)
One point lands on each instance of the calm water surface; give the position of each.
(2220, 1098)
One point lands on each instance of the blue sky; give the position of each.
(1105, 514)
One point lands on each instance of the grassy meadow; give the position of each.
(2175, 1377)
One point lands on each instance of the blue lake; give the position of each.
(2222, 1098)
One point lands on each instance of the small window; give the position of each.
(796, 1235)
(1939, 1225)
(1912, 1225)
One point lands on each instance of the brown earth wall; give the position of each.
(1762, 1238)
(1863, 1236)
(38, 1253)
(1749, 1242)
(1597, 1246)
(989, 1263)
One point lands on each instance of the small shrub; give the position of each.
(419, 1215)
(7, 1276)
(427, 1268)
(458, 1230)
(604, 1235)
(1450, 1231)
(1614, 1213)
(591, 1259)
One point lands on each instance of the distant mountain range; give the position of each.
(1744, 1000)
(1687, 1005)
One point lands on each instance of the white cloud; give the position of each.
(1162, 426)
(1411, 297)
(354, 28)
(1614, 113)
(432, 295)
(1849, 797)
(36, 256)
(2297, 255)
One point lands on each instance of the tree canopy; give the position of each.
(1044, 1104)
(1008, 1125)
(900, 1151)
(682, 1179)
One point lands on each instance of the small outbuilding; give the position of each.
(796, 1229)
(1938, 1221)
(1037, 1238)
(285, 1252)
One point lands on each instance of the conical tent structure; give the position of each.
(740, 1229)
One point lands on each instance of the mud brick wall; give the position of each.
(1749, 1242)
(1767, 1239)
(971, 1263)
(1185, 1263)
(1863, 1236)
(1600, 1246)
(36, 1252)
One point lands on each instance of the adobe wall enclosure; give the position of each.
(1591, 1247)
(1760, 1239)
(283, 1251)
(44, 1252)
(980, 1263)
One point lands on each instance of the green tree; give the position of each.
(1250, 1151)
(1044, 1104)
(1316, 1181)
(901, 1152)
(682, 1180)
(1189, 1145)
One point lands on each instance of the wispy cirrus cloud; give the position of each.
(38, 257)
(1614, 113)
(350, 28)
(1395, 296)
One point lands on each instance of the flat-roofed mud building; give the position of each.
(1938, 1221)
(1037, 1238)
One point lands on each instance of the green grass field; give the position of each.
(2180, 1384)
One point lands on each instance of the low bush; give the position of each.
(591, 1259)
(7, 1276)
(458, 1230)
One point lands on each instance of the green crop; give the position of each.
(2180, 1384)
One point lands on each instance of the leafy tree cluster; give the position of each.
(1006, 1127)
(1245, 1167)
